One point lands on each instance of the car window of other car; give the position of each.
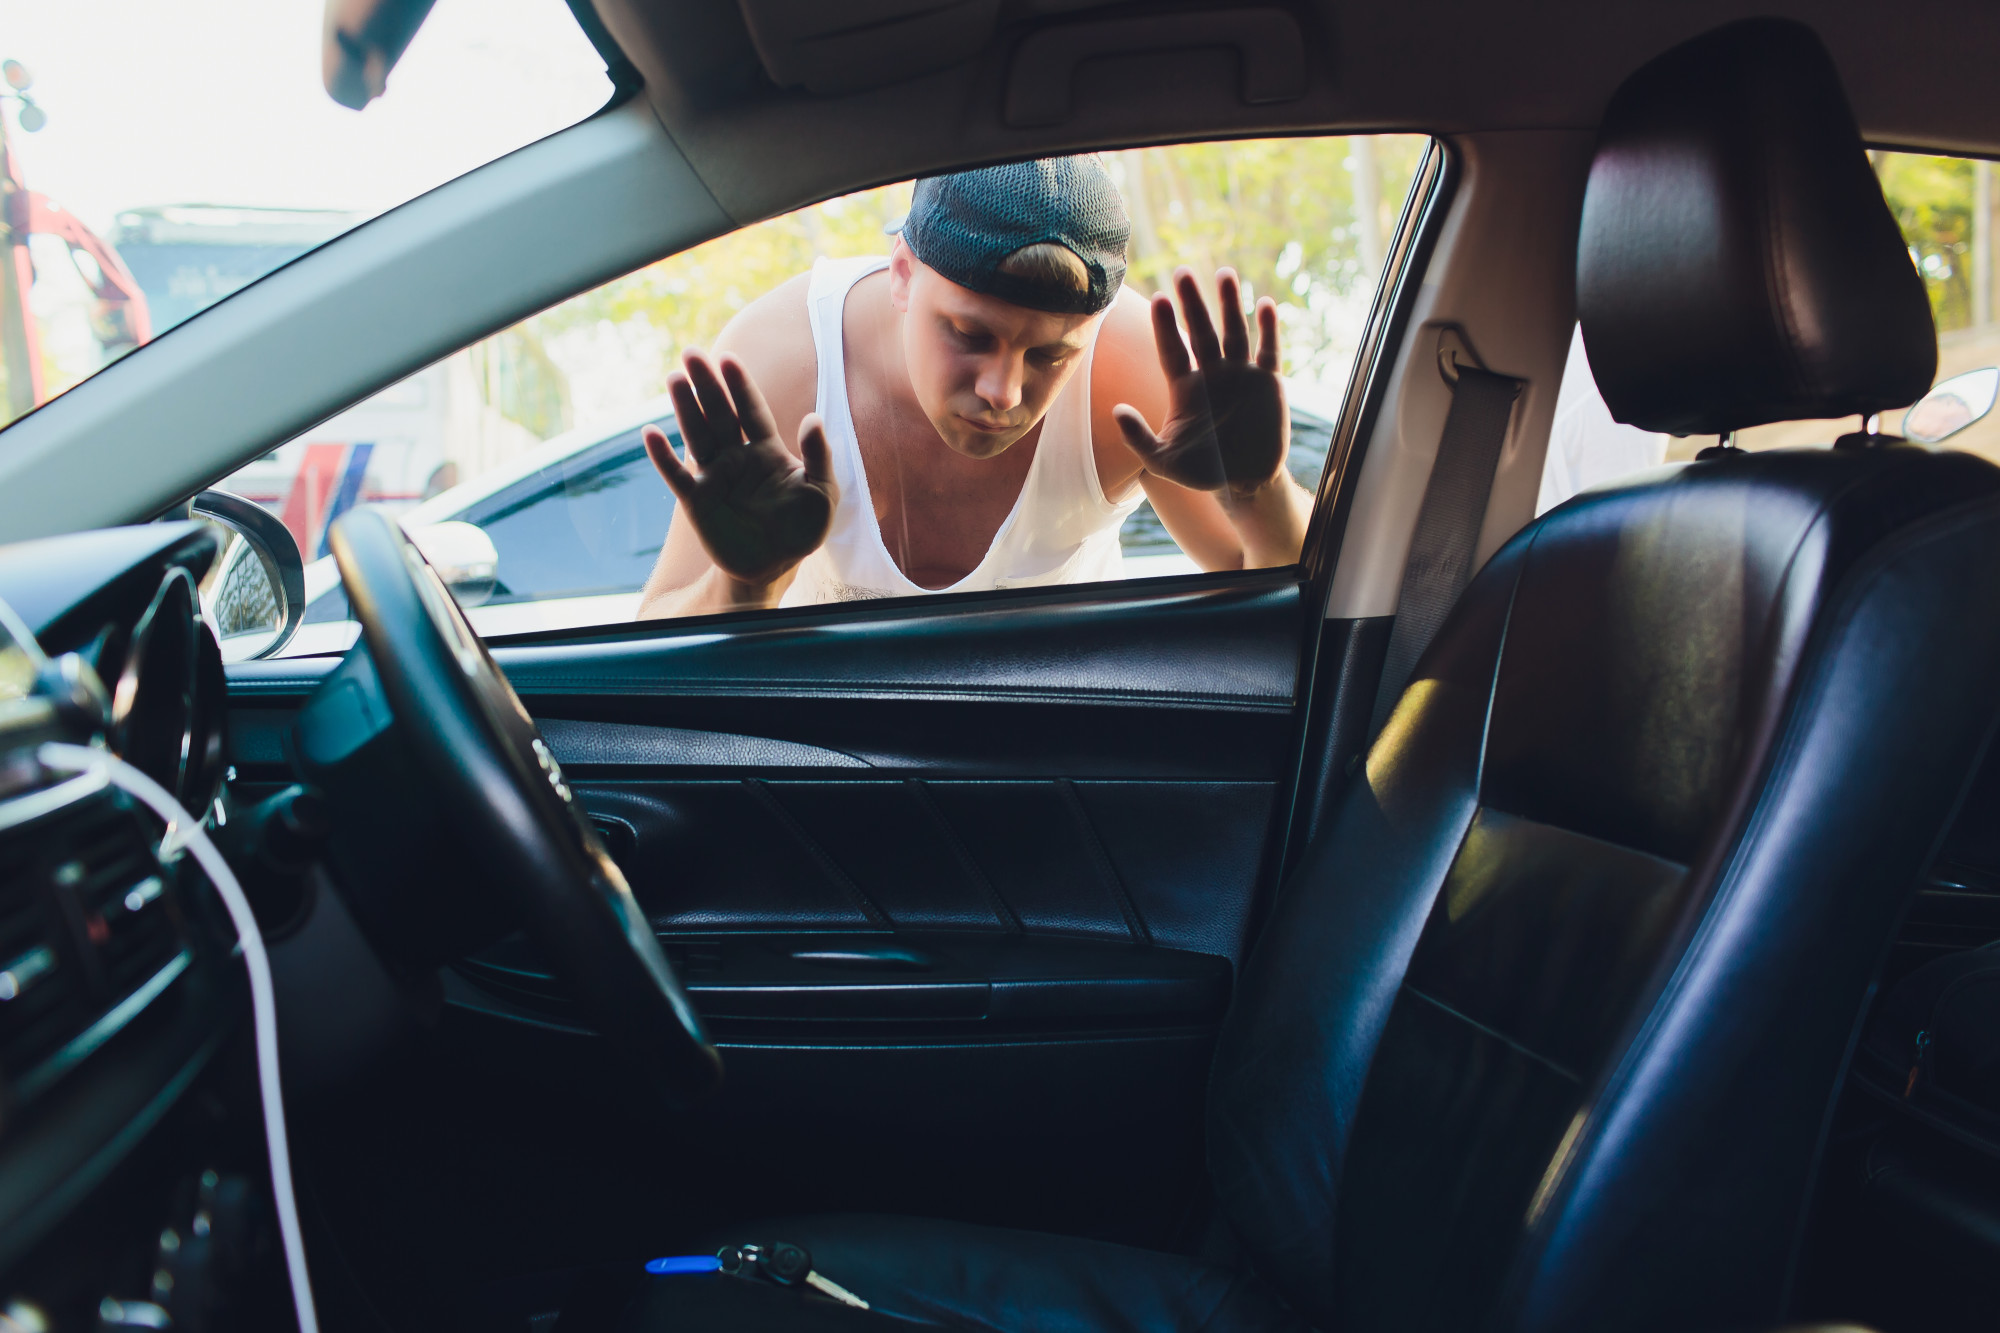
(532, 435)
(579, 527)
(1946, 210)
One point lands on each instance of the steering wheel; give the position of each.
(500, 788)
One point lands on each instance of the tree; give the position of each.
(1280, 211)
(1931, 198)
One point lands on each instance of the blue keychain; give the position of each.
(779, 1263)
(685, 1263)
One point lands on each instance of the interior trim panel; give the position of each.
(617, 745)
(1235, 644)
(1164, 863)
(765, 985)
(1190, 678)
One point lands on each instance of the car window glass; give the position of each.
(532, 436)
(172, 154)
(1946, 210)
(579, 527)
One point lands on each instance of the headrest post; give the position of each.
(1724, 447)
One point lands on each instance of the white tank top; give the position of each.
(1061, 529)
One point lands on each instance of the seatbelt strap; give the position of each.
(1448, 524)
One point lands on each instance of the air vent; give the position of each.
(107, 863)
(42, 1000)
(86, 922)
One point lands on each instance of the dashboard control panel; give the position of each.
(134, 1186)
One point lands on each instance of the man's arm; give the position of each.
(722, 551)
(1215, 473)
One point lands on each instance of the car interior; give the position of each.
(1492, 921)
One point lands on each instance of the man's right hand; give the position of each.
(757, 511)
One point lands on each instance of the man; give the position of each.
(972, 413)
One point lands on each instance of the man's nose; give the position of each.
(999, 383)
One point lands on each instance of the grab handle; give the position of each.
(1267, 42)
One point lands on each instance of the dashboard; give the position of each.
(126, 601)
(133, 1183)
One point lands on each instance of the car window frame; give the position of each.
(1417, 232)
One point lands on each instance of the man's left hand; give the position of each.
(1227, 427)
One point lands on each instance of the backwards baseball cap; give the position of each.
(964, 225)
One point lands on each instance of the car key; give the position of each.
(786, 1265)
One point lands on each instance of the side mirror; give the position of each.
(463, 556)
(1952, 406)
(256, 594)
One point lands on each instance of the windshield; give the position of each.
(158, 157)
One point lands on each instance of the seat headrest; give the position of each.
(1737, 263)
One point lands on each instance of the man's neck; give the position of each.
(880, 375)
(937, 509)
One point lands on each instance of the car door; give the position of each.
(961, 884)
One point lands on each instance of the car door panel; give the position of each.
(964, 871)
(1100, 765)
(1184, 643)
(926, 984)
(619, 746)
(919, 734)
(1179, 678)
(1171, 863)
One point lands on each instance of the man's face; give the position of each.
(983, 370)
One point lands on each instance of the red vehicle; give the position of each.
(119, 318)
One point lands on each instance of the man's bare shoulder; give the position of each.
(773, 338)
(1125, 367)
(1127, 329)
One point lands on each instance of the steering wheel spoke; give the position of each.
(460, 821)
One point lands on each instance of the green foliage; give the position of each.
(1281, 211)
(516, 375)
(689, 297)
(1931, 198)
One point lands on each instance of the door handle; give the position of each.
(1269, 47)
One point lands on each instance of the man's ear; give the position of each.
(902, 273)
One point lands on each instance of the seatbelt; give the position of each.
(1448, 524)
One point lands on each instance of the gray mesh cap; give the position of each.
(964, 224)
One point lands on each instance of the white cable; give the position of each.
(263, 1002)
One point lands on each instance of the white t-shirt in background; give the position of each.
(1586, 447)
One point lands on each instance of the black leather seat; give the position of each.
(1545, 1030)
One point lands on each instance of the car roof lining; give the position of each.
(1916, 74)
